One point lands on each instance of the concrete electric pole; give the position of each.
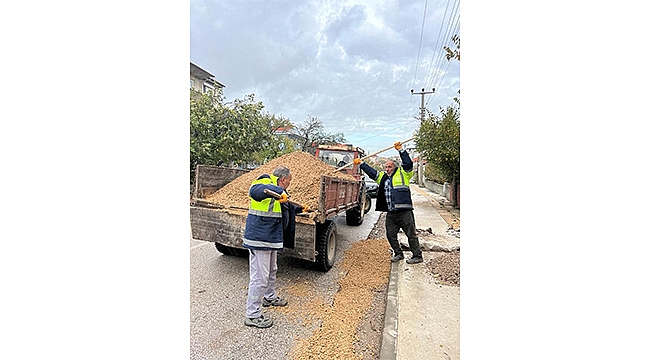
(422, 102)
(420, 166)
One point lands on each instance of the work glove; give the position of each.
(283, 198)
(398, 146)
(357, 161)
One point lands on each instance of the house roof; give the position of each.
(286, 129)
(204, 75)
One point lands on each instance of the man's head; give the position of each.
(389, 166)
(284, 176)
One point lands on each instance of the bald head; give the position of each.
(389, 166)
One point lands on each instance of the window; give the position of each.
(191, 83)
(207, 88)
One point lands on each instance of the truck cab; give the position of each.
(340, 154)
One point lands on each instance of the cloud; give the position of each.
(349, 63)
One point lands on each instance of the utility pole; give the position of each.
(422, 102)
(420, 166)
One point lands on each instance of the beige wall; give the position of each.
(198, 84)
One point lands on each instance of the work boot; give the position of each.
(397, 258)
(260, 322)
(278, 301)
(414, 260)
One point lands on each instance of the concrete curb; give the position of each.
(388, 349)
(422, 317)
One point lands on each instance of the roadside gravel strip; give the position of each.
(365, 269)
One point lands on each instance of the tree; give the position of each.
(313, 133)
(237, 133)
(203, 109)
(455, 53)
(438, 140)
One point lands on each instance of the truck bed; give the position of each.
(225, 225)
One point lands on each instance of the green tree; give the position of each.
(312, 130)
(455, 53)
(203, 109)
(438, 140)
(236, 133)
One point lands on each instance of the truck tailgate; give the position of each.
(336, 196)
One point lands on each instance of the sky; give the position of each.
(349, 63)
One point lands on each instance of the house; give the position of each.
(291, 133)
(203, 81)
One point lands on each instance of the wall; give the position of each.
(439, 189)
(198, 84)
(442, 190)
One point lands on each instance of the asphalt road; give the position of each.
(218, 290)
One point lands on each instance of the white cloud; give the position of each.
(349, 63)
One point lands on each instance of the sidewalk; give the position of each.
(422, 318)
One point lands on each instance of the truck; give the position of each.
(339, 155)
(315, 232)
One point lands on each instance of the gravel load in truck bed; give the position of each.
(306, 171)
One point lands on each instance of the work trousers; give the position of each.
(406, 221)
(263, 266)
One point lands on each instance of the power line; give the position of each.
(439, 80)
(453, 27)
(435, 48)
(417, 61)
(453, 20)
(435, 76)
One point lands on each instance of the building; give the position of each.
(203, 81)
(292, 134)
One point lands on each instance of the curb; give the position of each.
(388, 349)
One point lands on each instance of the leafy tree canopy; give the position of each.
(235, 133)
(438, 140)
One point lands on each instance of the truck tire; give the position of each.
(227, 250)
(325, 245)
(222, 249)
(368, 203)
(354, 216)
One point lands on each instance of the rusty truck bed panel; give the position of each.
(336, 195)
(209, 179)
(227, 228)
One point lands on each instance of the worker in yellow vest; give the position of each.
(394, 197)
(267, 221)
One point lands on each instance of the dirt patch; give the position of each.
(350, 327)
(369, 331)
(447, 214)
(312, 307)
(306, 171)
(445, 268)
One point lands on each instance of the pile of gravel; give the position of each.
(445, 267)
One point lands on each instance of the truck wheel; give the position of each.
(227, 250)
(354, 216)
(368, 203)
(325, 245)
(222, 249)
